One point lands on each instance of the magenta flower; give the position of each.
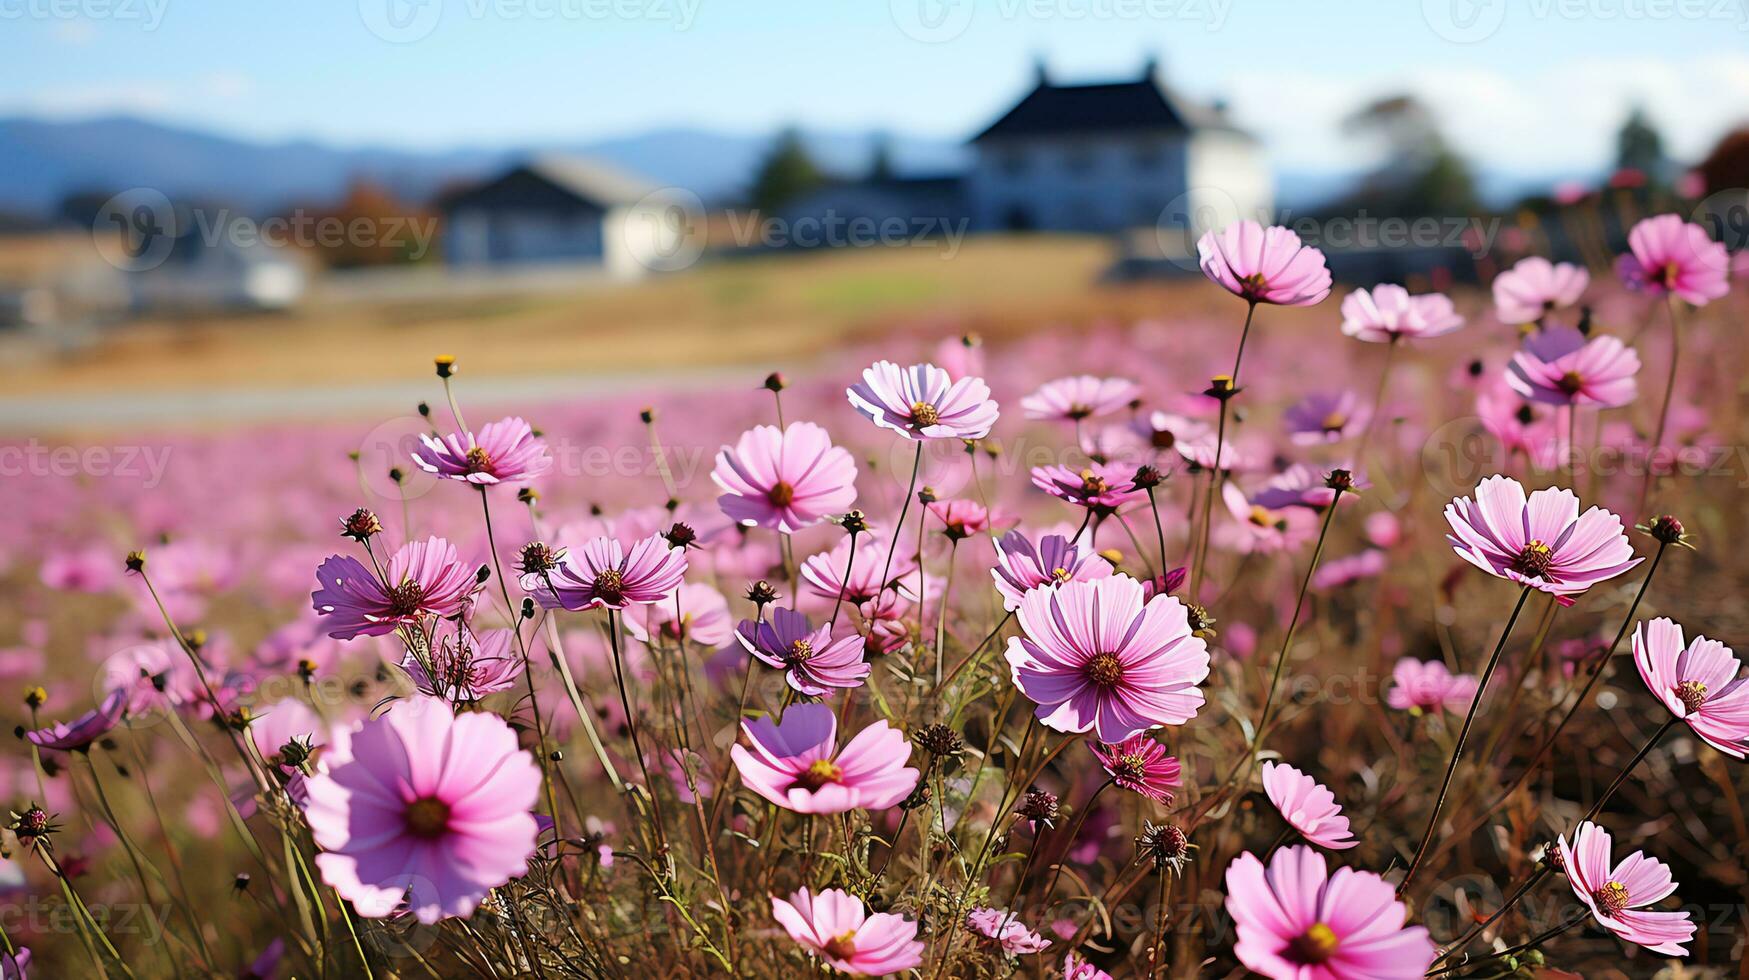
(859, 581)
(1140, 765)
(1543, 542)
(1260, 529)
(834, 926)
(1536, 287)
(1021, 568)
(424, 579)
(277, 724)
(1429, 686)
(78, 734)
(786, 480)
(1617, 896)
(1095, 658)
(963, 518)
(1669, 255)
(1076, 968)
(1264, 265)
(1334, 573)
(1325, 417)
(1001, 929)
(796, 764)
(422, 806)
(1558, 366)
(1297, 921)
(1387, 314)
(1698, 683)
(468, 666)
(1080, 397)
(505, 451)
(922, 402)
(812, 661)
(601, 574)
(696, 613)
(1102, 487)
(1307, 806)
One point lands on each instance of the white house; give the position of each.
(1112, 156)
(558, 209)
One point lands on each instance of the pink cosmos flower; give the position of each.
(1543, 541)
(834, 926)
(1141, 765)
(78, 734)
(505, 451)
(1308, 806)
(1200, 451)
(156, 676)
(93, 568)
(922, 402)
(1081, 397)
(1259, 529)
(964, 518)
(813, 662)
(1094, 657)
(601, 574)
(1001, 929)
(424, 579)
(1020, 567)
(278, 723)
(1617, 896)
(1325, 417)
(1164, 430)
(1264, 265)
(1387, 314)
(468, 665)
(1335, 573)
(1558, 366)
(1536, 287)
(1669, 255)
(859, 580)
(696, 613)
(1303, 486)
(1076, 968)
(1698, 683)
(14, 964)
(786, 480)
(1429, 686)
(1102, 487)
(423, 806)
(796, 764)
(1297, 921)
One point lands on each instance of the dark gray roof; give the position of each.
(1141, 104)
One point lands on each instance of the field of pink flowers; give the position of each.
(1386, 637)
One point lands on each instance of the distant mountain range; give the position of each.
(43, 161)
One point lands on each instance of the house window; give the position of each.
(1012, 162)
(1148, 155)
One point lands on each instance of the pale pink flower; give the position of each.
(1020, 567)
(786, 480)
(1141, 765)
(1000, 928)
(1698, 683)
(1080, 397)
(505, 451)
(856, 577)
(1258, 529)
(1558, 366)
(1164, 430)
(424, 807)
(964, 518)
(1308, 806)
(1101, 487)
(1387, 314)
(1076, 968)
(813, 661)
(1297, 921)
(1542, 542)
(835, 926)
(601, 574)
(922, 402)
(1617, 896)
(424, 578)
(1325, 417)
(1264, 265)
(273, 726)
(695, 613)
(1094, 657)
(1669, 255)
(796, 764)
(1335, 573)
(1429, 686)
(468, 666)
(1536, 287)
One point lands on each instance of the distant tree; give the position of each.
(1638, 145)
(881, 168)
(368, 227)
(1421, 174)
(786, 173)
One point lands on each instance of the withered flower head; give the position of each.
(1039, 806)
(939, 740)
(681, 535)
(1163, 844)
(361, 525)
(761, 593)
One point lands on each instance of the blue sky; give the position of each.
(1525, 84)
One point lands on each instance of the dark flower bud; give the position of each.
(361, 525)
(926, 496)
(918, 799)
(939, 740)
(1585, 321)
(1525, 415)
(774, 382)
(424, 410)
(647, 415)
(538, 557)
(35, 697)
(1476, 367)
(527, 495)
(483, 575)
(854, 523)
(33, 825)
(761, 593)
(1340, 480)
(1148, 477)
(1201, 623)
(1221, 388)
(527, 608)
(297, 751)
(1165, 845)
(1552, 858)
(680, 535)
(136, 560)
(241, 882)
(1666, 529)
(307, 669)
(445, 365)
(1039, 806)
(396, 476)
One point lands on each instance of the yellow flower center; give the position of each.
(1105, 670)
(1612, 898)
(1316, 945)
(1692, 695)
(479, 461)
(925, 414)
(821, 772)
